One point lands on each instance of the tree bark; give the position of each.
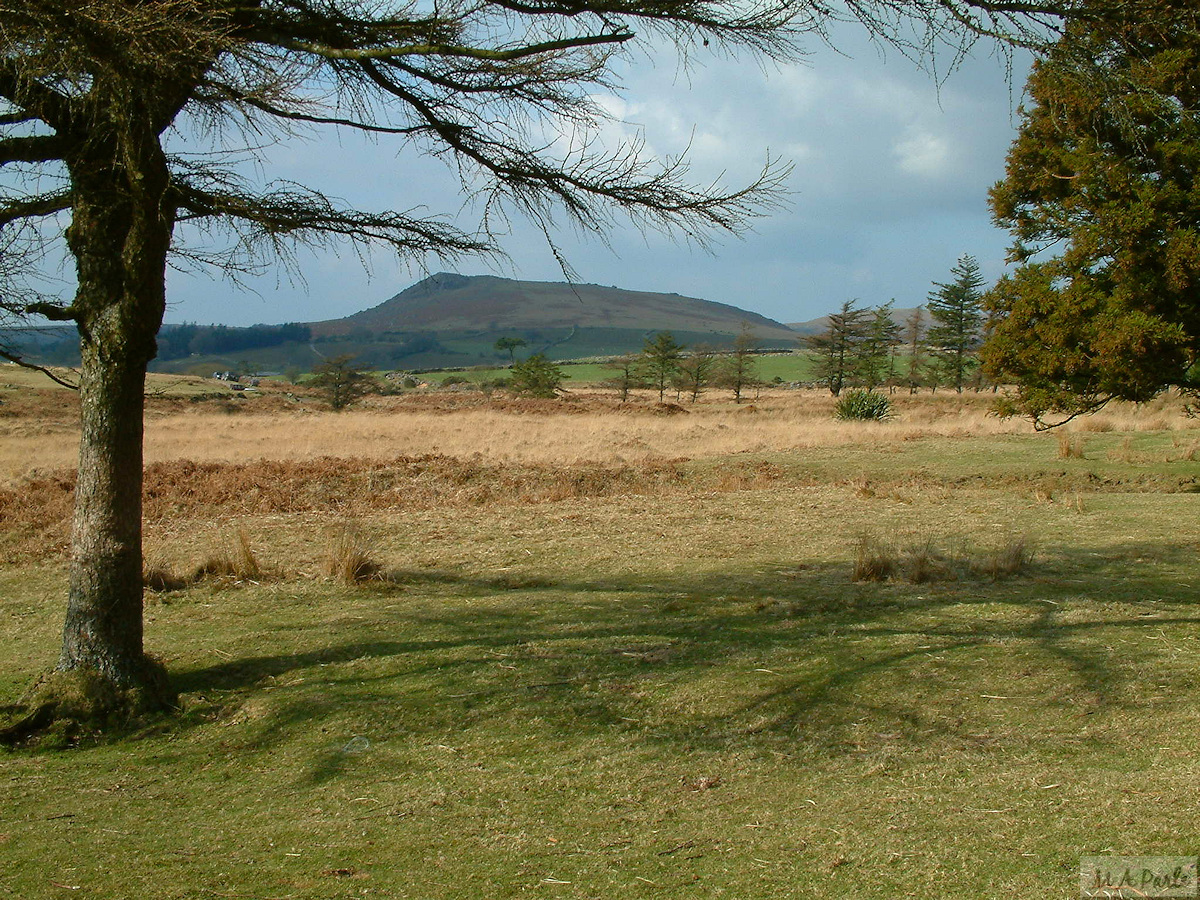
(119, 235)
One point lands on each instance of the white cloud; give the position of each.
(924, 155)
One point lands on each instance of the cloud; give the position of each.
(889, 188)
(924, 155)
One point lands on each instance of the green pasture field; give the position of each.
(785, 366)
(676, 695)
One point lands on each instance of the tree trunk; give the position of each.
(103, 629)
(119, 235)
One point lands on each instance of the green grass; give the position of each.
(642, 697)
(787, 367)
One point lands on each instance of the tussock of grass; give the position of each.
(1070, 445)
(922, 562)
(1010, 559)
(874, 560)
(350, 556)
(236, 560)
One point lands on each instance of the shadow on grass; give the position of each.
(796, 654)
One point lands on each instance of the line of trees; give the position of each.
(665, 365)
(936, 345)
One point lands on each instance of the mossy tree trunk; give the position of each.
(120, 235)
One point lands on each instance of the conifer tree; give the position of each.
(838, 348)
(956, 309)
(1100, 196)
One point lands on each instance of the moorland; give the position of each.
(447, 645)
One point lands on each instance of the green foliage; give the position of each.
(627, 375)
(913, 338)
(957, 312)
(838, 349)
(739, 369)
(340, 381)
(537, 377)
(1103, 175)
(660, 361)
(510, 344)
(863, 405)
(695, 371)
(876, 357)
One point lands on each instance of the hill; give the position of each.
(488, 304)
(449, 320)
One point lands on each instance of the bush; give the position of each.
(863, 406)
(537, 377)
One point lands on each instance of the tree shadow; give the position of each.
(583, 667)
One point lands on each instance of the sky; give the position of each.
(889, 188)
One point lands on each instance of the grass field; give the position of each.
(610, 651)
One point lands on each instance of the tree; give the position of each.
(913, 338)
(838, 348)
(510, 344)
(1100, 196)
(739, 369)
(537, 376)
(880, 337)
(340, 381)
(628, 375)
(695, 370)
(88, 91)
(956, 309)
(660, 361)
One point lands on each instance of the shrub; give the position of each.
(863, 406)
(537, 377)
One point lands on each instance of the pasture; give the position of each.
(599, 650)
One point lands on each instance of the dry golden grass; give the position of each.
(589, 427)
(349, 558)
(592, 428)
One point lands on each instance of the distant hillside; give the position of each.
(443, 321)
(492, 305)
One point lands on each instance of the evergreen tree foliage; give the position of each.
(738, 370)
(1102, 198)
(695, 371)
(510, 344)
(627, 375)
(876, 350)
(838, 349)
(340, 382)
(537, 376)
(956, 309)
(661, 355)
(914, 344)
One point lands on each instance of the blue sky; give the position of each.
(888, 191)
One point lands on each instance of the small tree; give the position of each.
(880, 338)
(340, 381)
(537, 377)
(914, 343)
(510, 344)
(695, 371)
(739, 370)
(957, 311)
(628, 375)
(660, 361)
(838, 348)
